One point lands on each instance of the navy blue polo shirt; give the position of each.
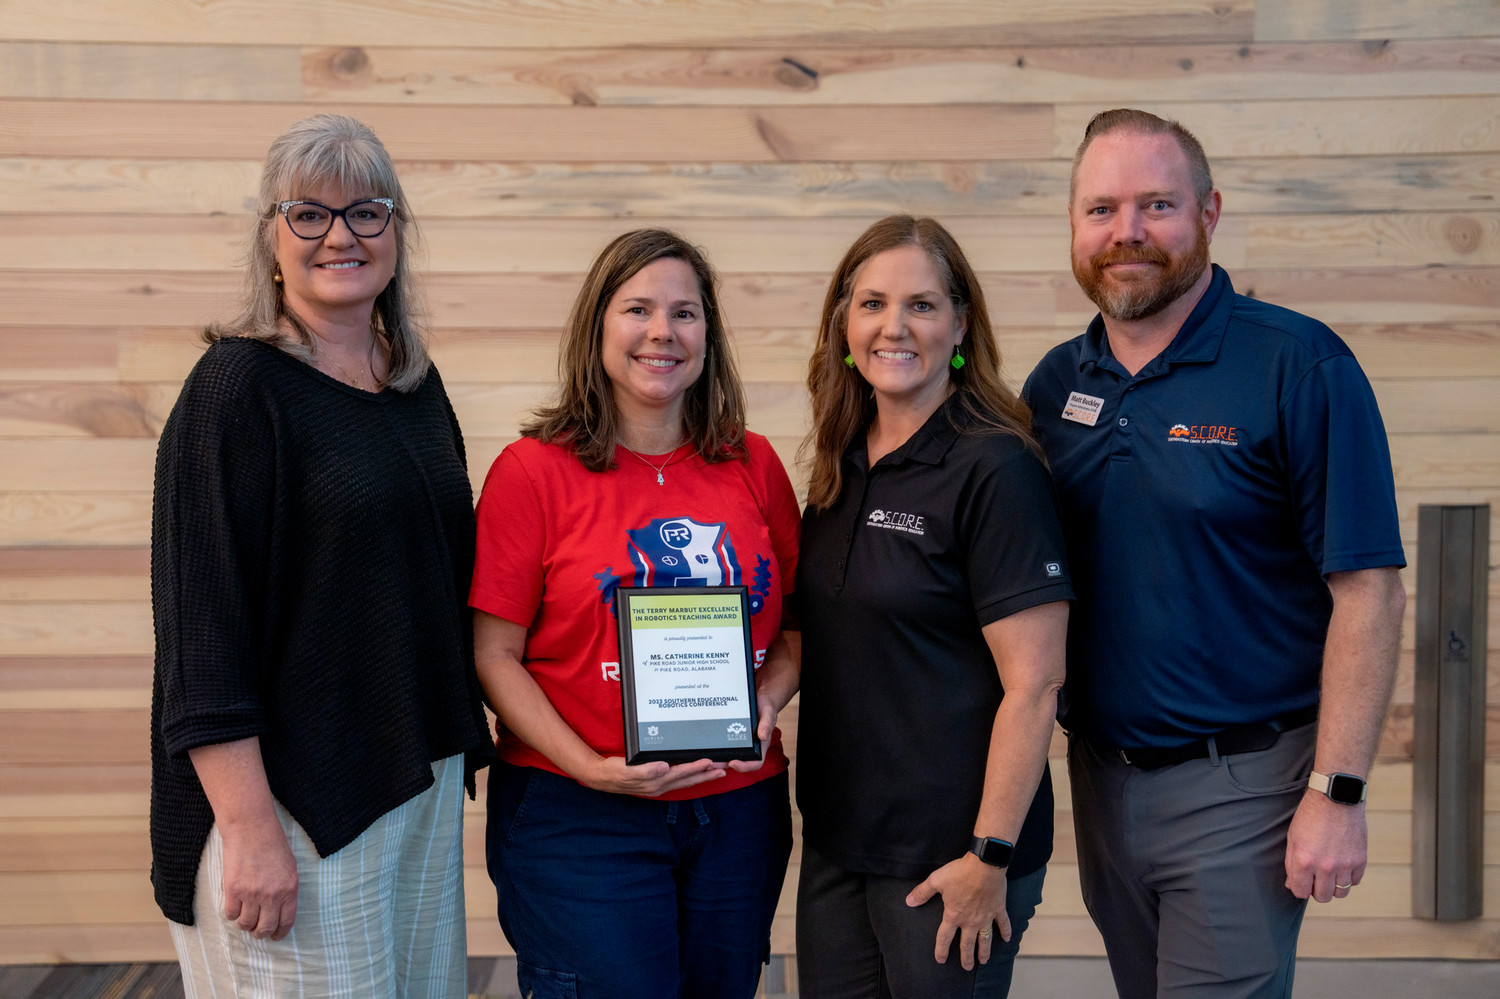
(1205, 500)
(948, 533)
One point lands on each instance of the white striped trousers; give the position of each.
(383, 918)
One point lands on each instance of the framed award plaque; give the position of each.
(687, 673)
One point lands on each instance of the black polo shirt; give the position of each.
(946, 534)
(1206, 499)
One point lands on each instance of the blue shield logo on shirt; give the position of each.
(682, 552)
(679, 551)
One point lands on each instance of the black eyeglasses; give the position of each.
(311, 220)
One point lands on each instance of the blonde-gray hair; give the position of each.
(342, 151)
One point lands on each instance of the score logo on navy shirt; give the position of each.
(1225, 436)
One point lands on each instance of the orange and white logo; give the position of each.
(1204, 434)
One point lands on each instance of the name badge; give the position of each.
(1083, 408)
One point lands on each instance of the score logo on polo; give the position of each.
(891, 520)
(1225, 436)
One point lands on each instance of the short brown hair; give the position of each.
(585, 416)
(843, 403)
(1146, 123)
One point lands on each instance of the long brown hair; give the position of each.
(331, 148)
(843, 403)
(585, 416)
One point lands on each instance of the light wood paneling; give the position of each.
(67, 844)
(1458, 406)
(942, 133)
(1372, 19)
(889, 76)
(73, 71)
(82, 464)
(1028, 243)
(84, 409)
(491, 355)
(572, 134)
(1425, 350)
(36, 517)
(624, 190)
(1363, 127)
(717, 23)
(386, 74)
(115, 735)
(28, 672)
(530, 301)
(1370, 240)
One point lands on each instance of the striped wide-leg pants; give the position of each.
(383, 918)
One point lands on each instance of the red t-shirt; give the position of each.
(556, 539)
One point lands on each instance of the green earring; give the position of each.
(849, 360)
(958, 359)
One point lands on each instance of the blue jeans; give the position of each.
(858, 939)
(606, 895)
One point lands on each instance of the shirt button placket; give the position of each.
(1122, 438)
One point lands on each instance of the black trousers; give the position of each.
(858, 939)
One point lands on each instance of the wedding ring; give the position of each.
(1349, 885)
(986, 934)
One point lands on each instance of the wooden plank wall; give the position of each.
(1357, 146)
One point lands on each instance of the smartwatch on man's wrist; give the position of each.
(995, 852)
(1346, 789)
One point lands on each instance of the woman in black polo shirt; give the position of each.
(933, 592)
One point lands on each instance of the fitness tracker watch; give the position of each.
(1346, 789)
(995, 852)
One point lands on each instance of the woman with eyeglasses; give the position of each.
(315, 698)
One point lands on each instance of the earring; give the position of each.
(958, 359)
(849, 360)
(277, 276)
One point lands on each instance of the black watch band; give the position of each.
(995, 852)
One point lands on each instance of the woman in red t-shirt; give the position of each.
(616, 880)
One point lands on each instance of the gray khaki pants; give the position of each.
(1183, 868)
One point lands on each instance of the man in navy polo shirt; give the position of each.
(1226, 488)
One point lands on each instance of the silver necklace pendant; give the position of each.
(661, 479)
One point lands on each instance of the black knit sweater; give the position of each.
(311, 547)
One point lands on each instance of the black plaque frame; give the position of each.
(637, 747)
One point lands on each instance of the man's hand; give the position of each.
(1326, 848)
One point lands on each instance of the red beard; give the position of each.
(1129, 300)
